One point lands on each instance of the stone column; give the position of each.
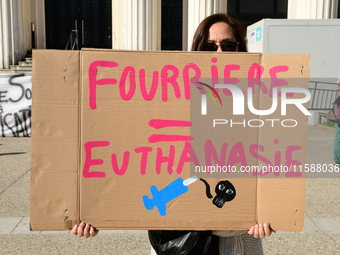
(15, 32)
(136, 25)
(194, 12)
(5, 41)
(37, 13)
(312, 9)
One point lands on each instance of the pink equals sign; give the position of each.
(158, 123)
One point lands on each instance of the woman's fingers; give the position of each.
(256, 231)
(268, 231)
(262, 233)
(75, 229)
(251, 231)
(80, 230)
(93, 231)
(85, 230)
(260, 230)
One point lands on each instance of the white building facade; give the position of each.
(136, 24)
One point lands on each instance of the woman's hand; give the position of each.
(260, 230)
(85, 230)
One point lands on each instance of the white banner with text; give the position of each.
(15, 104)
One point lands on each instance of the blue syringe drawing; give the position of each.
(161, 197)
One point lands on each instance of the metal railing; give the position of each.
(323, 94)
(73, 40)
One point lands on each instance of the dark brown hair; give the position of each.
(202, 33)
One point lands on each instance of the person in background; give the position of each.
(221, 33)
(336, 144)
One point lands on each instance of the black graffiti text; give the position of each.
(23, 93)
(21, 123)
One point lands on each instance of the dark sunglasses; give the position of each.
(225, 46)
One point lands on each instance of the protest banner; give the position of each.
(15, 104)
(123, 139)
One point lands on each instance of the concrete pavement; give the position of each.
(322, 216)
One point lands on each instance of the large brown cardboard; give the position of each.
(95, 147)
(55, 139)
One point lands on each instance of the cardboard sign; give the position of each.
(155, 140)
(15, 104)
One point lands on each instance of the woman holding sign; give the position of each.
(218, 32)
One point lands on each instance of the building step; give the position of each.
(21, 68)
(7, 71)
(25, 63)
